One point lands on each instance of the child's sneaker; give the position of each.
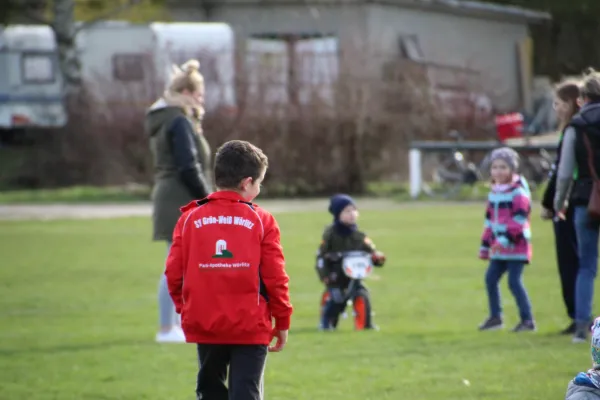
(569, 330)
(175, 335)
(491, 324)
(580, 336)
(581, 332)
(525, 326)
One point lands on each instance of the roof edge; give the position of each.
(457, 7)
(495, 11)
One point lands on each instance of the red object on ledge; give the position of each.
(509, 126)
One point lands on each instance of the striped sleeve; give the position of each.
(520, 211)
(487, 236)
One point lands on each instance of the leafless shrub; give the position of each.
(333, 122)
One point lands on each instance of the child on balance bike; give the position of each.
(345, 256)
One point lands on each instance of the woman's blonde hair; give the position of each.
(187, 77)
(591, 84)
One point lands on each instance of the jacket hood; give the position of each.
(157, 115)
(171, 103)
(575, 391)
(588, 118)
(517, 181)
(521, 181)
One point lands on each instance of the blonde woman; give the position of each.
(575, 177)
(181, 169)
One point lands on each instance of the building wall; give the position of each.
(349, 22)
(346, 22)
(370, 35)
(488, 46)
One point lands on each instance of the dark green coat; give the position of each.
(169, 192)
(333, 242)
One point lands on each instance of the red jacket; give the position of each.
(226, 272)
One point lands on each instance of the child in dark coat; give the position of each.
(342, 236)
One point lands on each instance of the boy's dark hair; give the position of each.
(237, 160)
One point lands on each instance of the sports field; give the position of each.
(78, 316)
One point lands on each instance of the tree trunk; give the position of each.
(65, 31)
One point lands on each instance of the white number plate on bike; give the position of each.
(357, 267)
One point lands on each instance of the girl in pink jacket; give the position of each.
(506, 240)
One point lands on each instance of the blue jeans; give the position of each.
(494, 273)
(587, 243)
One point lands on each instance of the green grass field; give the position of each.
(140, 193)
(78, 316)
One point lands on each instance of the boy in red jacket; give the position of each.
(226, 275)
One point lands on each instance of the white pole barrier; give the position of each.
(415, 172)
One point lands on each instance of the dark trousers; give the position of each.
(336, 304)
(246, 368)
(567, 259)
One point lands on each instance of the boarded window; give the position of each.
(292, 68)
(410, 48)
(128, 67)
(37, 68)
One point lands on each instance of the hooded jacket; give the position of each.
(181, 159)
(226, 272)
(582, 392)
(507, 223)
(586, 123)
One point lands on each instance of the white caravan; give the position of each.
(131, 63)
(31, 86)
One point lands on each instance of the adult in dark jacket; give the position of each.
(181, 169)
(565, 106)
(575, 176)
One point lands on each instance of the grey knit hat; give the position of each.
(507, 155)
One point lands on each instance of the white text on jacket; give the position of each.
(224, 220)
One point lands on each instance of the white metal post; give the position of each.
(415, 172)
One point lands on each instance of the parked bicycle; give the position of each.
(455, 171)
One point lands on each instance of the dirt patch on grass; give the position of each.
(92, 211)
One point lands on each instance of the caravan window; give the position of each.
(128, 67)
(37, 68)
